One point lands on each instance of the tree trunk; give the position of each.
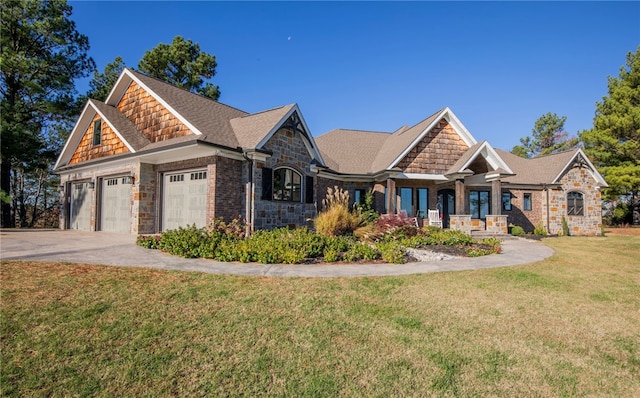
(5, 185)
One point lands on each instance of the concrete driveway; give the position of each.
(120, 250)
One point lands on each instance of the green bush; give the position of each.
(392, 252)
(361, 251)
(331, 255)
(148, 241)
(540, 230)
(517, 230)
(565, 227)
(184, 242)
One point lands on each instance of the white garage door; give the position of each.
(80, 206)
(184, 199)
(115, 208)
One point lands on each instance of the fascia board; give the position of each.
(453, 120)
(115, 130)
(307, 139)
(81, 125)
(491, 156)
(155, 96)
(592, 170)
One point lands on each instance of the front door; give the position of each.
(446, 205)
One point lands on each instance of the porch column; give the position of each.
(391, 196)
(496, 197)
(460, 197)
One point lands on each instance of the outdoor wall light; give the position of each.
(127, 180)
(91, 184)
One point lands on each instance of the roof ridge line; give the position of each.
(185, 90)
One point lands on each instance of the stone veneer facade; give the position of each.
(287, 150)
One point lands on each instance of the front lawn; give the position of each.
(566, 326)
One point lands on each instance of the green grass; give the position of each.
(567, 326)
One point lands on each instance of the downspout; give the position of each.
(249, 198)
(546, 188)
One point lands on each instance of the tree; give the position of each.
(614, 141)
(182, 64)
(41, 55)
(549, 136)
(102, 83)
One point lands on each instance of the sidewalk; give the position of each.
(120, 250)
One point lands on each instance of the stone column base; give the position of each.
(460, 222)
(496, 224)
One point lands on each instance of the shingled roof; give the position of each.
(370, 152)
(209, 117)
(539, 170)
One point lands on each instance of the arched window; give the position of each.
(287, 185)
(575, 204)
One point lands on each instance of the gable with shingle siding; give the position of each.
(436, 152)
(110, 144)
(149, 116)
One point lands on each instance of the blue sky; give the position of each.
(380, 65)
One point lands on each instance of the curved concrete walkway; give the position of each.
(120, 250)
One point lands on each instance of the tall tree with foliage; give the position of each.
(548, 136)
(101, 84)
(182, 64)
(41, 55)
(614, 141)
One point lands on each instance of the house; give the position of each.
(154, 157)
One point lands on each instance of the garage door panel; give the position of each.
(184, 199)
(80, 206)
(116, 205)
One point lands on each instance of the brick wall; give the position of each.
(149, 115)
(527, 219)
(228, 194)
(577, 179)
(110, 144)
(436, 153)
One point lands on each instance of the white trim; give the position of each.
(73, 136)
(421, 176)
(592, 170)
(490, 156)
(453, 120)
(309, 143)
(158, 98)
(112, 127)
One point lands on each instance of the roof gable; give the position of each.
(480, 150)
(548, 169)
(118, 124)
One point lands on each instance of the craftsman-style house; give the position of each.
(154, 157)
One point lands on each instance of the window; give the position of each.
(286, 185)
(423, 202)
(479, 204)
(97, 132)
(359, 196)
(575, 204)
(526, 201)
(406, 200)
(506, 201)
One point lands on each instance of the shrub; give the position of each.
(540, 230)
(236, 228)
(361, 251)
(367, 214)
(565, 227)
(392, 252)
(336, 219)
(331, 255)
(184, 242)
(517, 230)
(148, 241)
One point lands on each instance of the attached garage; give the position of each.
(80, 206)
(184, 199)
(115, 206)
